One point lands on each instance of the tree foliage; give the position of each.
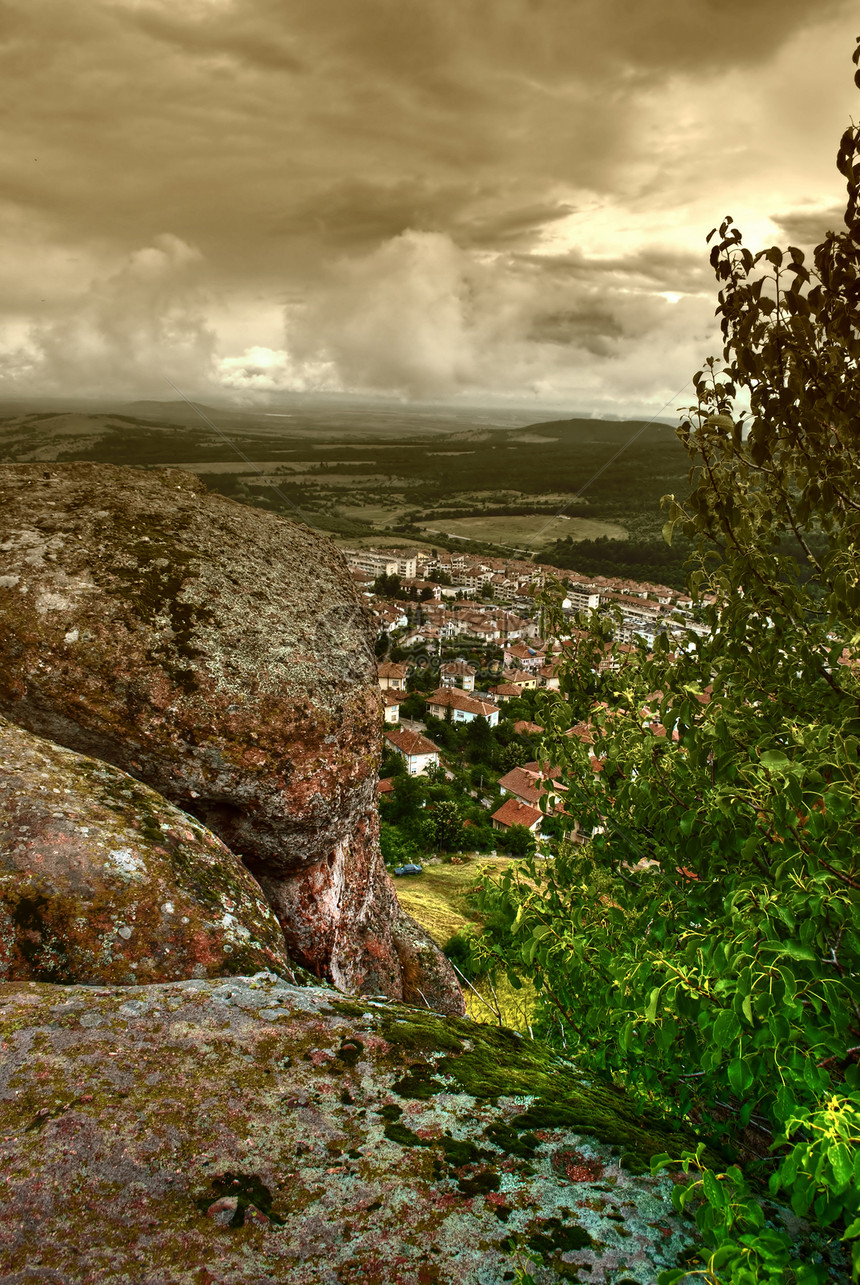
(704, 947)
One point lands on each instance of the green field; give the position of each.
(486, 480)
(438, 901)
(526, 530)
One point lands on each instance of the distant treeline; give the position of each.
(652, 560)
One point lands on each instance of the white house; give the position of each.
(391, 676)
(463, 708)
(391, 705)
(459, 673)
(418, 751)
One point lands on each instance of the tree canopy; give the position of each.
(704, 946)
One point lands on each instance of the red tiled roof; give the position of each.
(526, 785)
(453, 697)
(389, 670)
(386, 785)
(524, 728)
(583, 732)
(528, 782)
(411, 743)
(390, 697)
(513, 812)
(459, 667)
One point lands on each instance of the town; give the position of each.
(464, 672)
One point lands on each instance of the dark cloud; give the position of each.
(809, 227)
(297, 148)
(661, 269)
(357, 212)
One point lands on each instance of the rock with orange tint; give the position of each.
(220, 655)
(102, 880)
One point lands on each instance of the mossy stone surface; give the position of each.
(147, 1132)
(103, 880)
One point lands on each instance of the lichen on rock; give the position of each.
(103, 880)
(275, 1133)
(220, 655)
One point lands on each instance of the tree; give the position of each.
(705, 948)
(407, 797)
(387, 586)
(414, 706)
(513, 755)
(479, 738)
(516, 840)
(448, 830)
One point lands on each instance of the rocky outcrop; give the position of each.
(218, 654)
(250, 1131)
(103, 880)
(246, 1131)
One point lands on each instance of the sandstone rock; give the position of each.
(103, 880)
(249, 1131)
(220, 655)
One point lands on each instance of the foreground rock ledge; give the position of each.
(220, 655)
(248, 1131)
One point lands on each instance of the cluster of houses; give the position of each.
(523, 786)
(442, 610)
(504, 612)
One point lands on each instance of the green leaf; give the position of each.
(794, 950)
(651, 1010)
(842, 1164)
(726, 1028)
(714, 1193)
(740, 1077)
(775, 761)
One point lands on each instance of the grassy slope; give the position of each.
(438, 901)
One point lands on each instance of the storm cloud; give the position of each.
(426, 200)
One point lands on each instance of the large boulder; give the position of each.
(103, 880)
(220, 655)
(248, 1131)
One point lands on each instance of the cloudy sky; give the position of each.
(429, 199)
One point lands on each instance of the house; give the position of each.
(463, 708)
(518, 655)
(530, 783)
(434, 591)
(581, 597)
(391, 676)
(375, 562)
(458, 673)
(513, 812)
(391, 699)
(505, 692)
(419, 752)
(371, 562)
(523, 727)
(388, 617)
(519, 678)
(548, 677)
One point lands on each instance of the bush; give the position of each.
(459, 949)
